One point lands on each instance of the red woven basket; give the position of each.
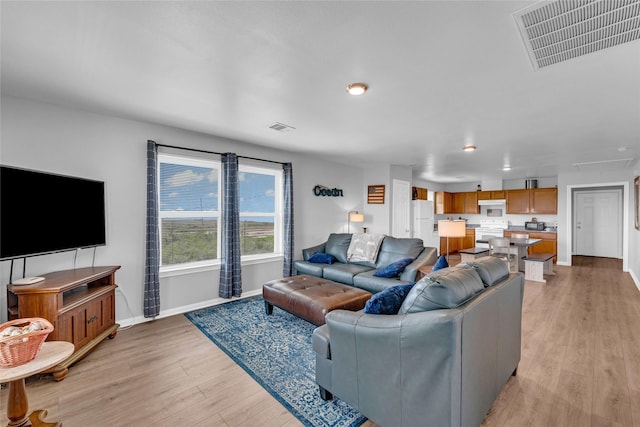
(19, 349)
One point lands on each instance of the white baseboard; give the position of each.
(635, 278)
(125, 323)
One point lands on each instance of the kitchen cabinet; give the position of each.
(517, 201)
(544, 201)
(458, 243)
(471, 202)
(458, 203)
(532, 201)
(443, 202)
(549, 244)
(469, 239)
(454, 245)
(491, 195)
(418, 193)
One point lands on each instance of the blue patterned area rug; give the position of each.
(277, 352)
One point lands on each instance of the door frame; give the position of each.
(608, 190)
(395, 198)
(625, 216)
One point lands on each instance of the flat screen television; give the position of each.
(43, 213)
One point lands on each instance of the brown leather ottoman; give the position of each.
(311, 298)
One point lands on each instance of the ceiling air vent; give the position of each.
(561, 30)
(603, 165)
(281, 127)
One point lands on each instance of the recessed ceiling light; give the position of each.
(357, 88)
(506, 168)
(469, 147)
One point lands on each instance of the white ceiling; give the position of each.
(441, 74)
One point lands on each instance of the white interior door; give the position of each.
(598, 223)
(401, 209)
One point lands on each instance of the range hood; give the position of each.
(495, 202)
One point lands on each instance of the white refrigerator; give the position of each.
(423, 220)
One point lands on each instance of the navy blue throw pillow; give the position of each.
(388, 301)
(441, 263)
(321, 258)
(393, 269)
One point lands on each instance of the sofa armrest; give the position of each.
(306, 253)
(428, 256)
(320, 341)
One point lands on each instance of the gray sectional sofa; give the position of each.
(361, 273)
(441, 361)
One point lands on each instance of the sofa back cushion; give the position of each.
(337, 245)
(491, 269)
(446, 288)
(394, 249)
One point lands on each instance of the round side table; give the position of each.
(51, 353)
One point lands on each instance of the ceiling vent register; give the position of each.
(281, 127)
(561, 30)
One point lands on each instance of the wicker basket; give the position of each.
(19, 349)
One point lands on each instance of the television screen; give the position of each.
(43, 213)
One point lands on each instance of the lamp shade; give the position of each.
(356, 217)
(451, 228)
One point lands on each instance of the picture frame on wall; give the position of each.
(375, 195)
(636, 193)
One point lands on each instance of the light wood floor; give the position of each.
(580, 367)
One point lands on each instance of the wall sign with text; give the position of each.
(321, 190)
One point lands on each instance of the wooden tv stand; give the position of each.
(80, 304)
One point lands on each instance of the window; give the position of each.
(260, 210)
(190, 210)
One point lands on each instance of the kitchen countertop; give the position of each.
(521, 228)
(511, 228)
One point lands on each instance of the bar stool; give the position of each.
(500, 247)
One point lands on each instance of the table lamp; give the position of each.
(451, 228)
(354, 216)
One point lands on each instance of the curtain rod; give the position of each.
(214, 152)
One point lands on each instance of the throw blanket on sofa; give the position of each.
(364, 247)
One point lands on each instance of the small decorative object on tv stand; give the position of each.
(80, 304)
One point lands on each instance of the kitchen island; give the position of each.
(548, 245)
(522, 245)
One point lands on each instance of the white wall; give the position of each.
(634, 235)
(61, 140)
(430, 186)
(377, 218)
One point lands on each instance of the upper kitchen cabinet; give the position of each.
(532, 201)
(418, 193)
(544, 200)
(517, 201)
(444, 202)
(491, 195)
(456, 203)
(471, 203)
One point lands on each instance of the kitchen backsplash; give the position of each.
(514, 220)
